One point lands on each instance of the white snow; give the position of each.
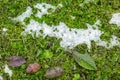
(1, 78)
(32, 28)
(7, 70)
(43, 9)
(71, 37)
(114, 42)
(115, 19)
(24, 15)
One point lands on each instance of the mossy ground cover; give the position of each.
(107, 61)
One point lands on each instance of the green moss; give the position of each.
(14, 44)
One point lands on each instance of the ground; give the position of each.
(107, 61)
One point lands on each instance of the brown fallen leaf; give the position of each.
(32, 68)
(54, 72)
(15, 61)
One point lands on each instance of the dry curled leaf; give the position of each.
(54, 72)
(32, 68)
(15, 61)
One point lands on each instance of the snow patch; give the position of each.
(24, 15)
(7, 70)
(71, 37)
(115, 19)
(43, 9)
(114, 42)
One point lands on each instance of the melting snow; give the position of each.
(24, 15)
(71, 37)
(7, 70)
(115, 19)
(43, 9)
(113, 42)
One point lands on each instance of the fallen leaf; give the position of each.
(84, 60)
(54, 72)
(15, 61)
(32, 68)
